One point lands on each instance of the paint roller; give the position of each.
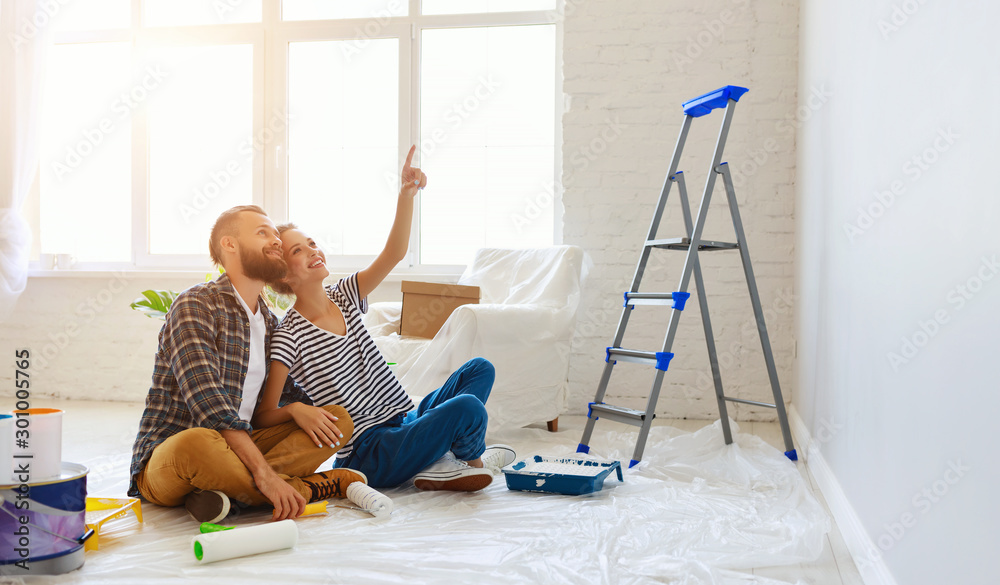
(219, 543)
(232, 543)
(365, 499)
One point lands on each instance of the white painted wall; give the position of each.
(899, 303)
(628, 66)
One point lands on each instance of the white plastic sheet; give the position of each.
(694, 512)
(523, 325)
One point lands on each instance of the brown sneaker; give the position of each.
(332, 483)
(207, 506)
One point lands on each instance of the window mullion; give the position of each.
(260, 119)
(275, 100)
(140, 151)
(409, 101)
(559, 105)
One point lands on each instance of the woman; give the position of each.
(324, 346)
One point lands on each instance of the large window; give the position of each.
(159, 114)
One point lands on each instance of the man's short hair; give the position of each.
(225, 225)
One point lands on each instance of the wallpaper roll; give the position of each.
(375, 503)
(241, 542)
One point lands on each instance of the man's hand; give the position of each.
(319, 424)
(287, 502)
(413, 178)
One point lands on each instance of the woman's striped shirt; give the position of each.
(347, 370)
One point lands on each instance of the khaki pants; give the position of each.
(200, 459)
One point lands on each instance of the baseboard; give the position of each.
(867, 556)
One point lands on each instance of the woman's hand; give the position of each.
(399, 236)
(319, 424)
(413, 178)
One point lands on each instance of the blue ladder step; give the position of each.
(675, 300)
(659, 359)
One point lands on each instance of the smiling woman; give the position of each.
(303, 257)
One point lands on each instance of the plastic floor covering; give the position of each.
(694, 512)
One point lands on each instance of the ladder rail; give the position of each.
(699, 226)
(765, 341)
(706, 321)
(602, 386)
(675, 160)
(647, 423)
(661, 205)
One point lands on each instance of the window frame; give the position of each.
(270, 41)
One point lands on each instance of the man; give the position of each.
(195, 444)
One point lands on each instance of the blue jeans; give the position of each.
(452, 418)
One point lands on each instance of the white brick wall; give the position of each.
(627, 67)
(85, 340)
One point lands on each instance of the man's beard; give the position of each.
(260, 266)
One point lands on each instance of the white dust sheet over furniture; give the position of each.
(523, 325)
(694, 512)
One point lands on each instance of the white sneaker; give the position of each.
(448, 473)
(498, 456)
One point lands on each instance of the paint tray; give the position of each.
(101, 510)
(560, 475)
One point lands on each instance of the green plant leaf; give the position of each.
(278, 301)
(155, 303)
(209, 277)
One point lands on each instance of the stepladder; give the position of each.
(692, 245)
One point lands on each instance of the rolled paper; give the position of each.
(375, 503)
(242, 542)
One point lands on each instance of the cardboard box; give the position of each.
(427, 305)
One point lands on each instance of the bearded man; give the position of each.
(195, 444)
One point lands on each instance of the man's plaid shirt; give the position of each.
(200, 365)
